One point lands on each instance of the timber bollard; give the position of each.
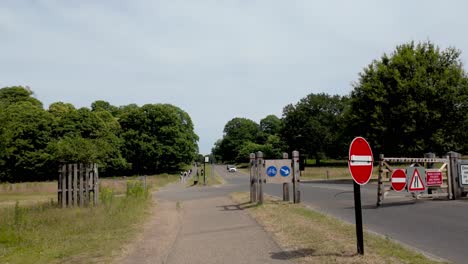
(260, 176)
(296, 177)
(253, 191)
(285, 185)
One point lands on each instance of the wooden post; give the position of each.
(253, 193)
(285, 184)
(454, 157)
(86, 182)
(296, 177)
(260, 176)
(69, 185)
(96, 184)
(75, 184)
(64, 194)
(82, 184)
(380, 187)
(59, 186)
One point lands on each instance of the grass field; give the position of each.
(210, 181)
(35, 230)
(310, 237)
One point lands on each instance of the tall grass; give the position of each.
(45, 233)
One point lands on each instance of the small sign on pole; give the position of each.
(416, 181)
(361, 164)
(434, 178)
(463, 174)
(398, 180)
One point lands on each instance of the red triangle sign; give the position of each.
(416, 184)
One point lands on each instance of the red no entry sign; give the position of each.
(361, 161)
(398, 180)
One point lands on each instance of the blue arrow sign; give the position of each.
(285, 171)
(272, 171)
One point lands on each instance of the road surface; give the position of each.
(436, 227)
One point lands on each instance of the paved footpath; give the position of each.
(202, 225)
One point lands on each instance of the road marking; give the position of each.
(358, 160)
(398, 180)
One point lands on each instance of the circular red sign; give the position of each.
(398, 180)
(361, 160)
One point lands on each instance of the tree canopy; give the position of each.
(408, 103)
(412, 101)
(123, 140)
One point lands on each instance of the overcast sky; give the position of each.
(214, 59)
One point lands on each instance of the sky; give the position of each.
(216, 59)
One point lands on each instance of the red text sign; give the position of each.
(434, 178)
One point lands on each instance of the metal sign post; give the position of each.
(360, 163)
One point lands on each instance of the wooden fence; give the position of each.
(78, 185)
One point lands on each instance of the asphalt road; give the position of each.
(435, 227)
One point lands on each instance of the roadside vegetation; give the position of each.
(125, 140)
(210, 181)
(403, 103)
(36, 231)
(307, 236)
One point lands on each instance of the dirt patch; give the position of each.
(158, 236)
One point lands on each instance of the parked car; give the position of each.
(231, 168)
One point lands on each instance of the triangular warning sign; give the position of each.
(416, 183)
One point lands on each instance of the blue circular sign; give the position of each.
(285, 171)
(271, 171)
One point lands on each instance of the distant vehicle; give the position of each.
(231, 168)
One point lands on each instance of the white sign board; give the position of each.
(464, 174)
(207, 159)
(278, 171)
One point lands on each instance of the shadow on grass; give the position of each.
(237, 207)
(306, 252)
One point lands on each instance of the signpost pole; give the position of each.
(204, 173)
(253, 192)
(259, 176)
(296, 173)
(358, 214)
(361, 163)
(285, 184)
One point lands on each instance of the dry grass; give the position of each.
(44, 233)
(307, 236)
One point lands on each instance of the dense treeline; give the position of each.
(408, 103)
(123, 140)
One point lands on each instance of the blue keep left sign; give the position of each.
(285, 171)
(271, 171)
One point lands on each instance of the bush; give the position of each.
(136, 189)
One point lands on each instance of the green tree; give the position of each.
(16, 94)
(237, 132)
(25, 134)
(271, 125)
(157, 137)
(81, 135)
(412, 101)
(312, 126)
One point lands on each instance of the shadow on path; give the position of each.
(305, 252)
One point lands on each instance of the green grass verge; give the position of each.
(210, 181)
(44, 233)
(311, 237)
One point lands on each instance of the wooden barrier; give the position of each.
(385, 171)
(78, 185)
